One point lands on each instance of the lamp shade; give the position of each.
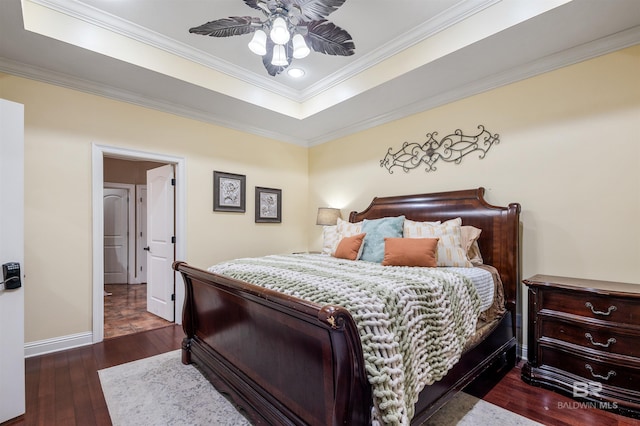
(258, 43)
(279, 32)
(279, 57)
(300, 48)
(327, 216)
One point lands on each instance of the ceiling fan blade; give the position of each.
(227, 27)
(313, 10)
(326, 37)
(259, 5)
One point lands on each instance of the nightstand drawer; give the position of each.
(592, 370)
(612, 340)
(591, 305)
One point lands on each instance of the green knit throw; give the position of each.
(413, 322)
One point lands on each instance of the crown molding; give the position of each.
(93, 88)
(548, 63)
(94, 16)
(557, 60)
(438, 23)
(138, 33)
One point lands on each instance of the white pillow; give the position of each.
(415, 229)
(450, 250)
(344, 228)
(330, 239)
(348, 229)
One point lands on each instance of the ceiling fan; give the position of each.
(289, 28)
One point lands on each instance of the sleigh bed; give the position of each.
(284, 360)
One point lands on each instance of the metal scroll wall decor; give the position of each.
(451, 149)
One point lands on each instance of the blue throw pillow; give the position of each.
(377, 230)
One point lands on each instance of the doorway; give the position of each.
(125, 284)
(100, 155)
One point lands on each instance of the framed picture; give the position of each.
(229, 192)
(268, 205)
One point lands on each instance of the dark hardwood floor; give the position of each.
(63, 388)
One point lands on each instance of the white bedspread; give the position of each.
(482, 281)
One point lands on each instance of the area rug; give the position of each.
(160, 390)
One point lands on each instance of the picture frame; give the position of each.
(229, 191)
(268, 205)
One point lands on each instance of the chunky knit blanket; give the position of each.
(413, 322)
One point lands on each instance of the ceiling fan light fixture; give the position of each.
(279, 57)
(279, 32)
(258, 43)
(300, 48)
(289, 30)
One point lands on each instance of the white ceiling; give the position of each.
(411, 55)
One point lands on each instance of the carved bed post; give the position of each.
(188, 325)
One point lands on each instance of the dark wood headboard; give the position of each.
(500, 239)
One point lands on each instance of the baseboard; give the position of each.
(56, 344)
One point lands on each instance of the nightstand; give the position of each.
(584, 341)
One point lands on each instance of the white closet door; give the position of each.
(160, 243)
(116, 238)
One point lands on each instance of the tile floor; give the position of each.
(125, 310)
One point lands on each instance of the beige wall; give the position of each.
(60, 127)
(569, 152)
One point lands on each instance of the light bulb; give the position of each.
(258, 43)
(279, 57)
(300, 49)
(295, 72)
(279, 32)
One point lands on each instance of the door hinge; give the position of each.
(173, 240)
(173, 297)
(173, 182)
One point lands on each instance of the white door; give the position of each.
(160, 242)
(116, 230)
(141, 238)
(12, 383)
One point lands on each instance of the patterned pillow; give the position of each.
(348, 229)
(450, 250)
(377, 230)
(330, 239)
(415, 229)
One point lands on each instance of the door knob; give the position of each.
(146, 248)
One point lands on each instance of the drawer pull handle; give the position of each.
(611, 309)
(610, 374)
(604, 345)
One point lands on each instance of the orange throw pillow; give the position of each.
(349, 247)
(410, 252)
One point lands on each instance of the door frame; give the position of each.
(140, 253)
(131, 226)
(97, 159)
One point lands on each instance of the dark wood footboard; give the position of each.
(283, 360)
